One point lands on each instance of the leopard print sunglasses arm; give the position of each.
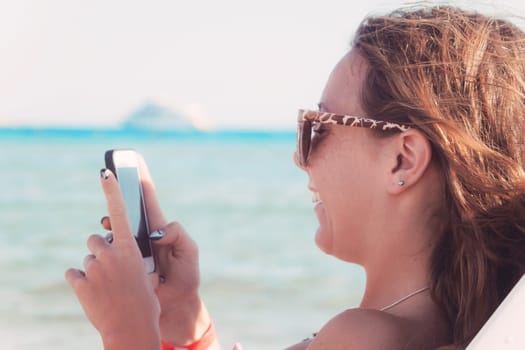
(307, 118)
(339, 119)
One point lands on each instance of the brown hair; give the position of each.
(459, 77)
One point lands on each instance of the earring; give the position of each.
(401, 182)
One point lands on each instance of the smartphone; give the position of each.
(124, 164)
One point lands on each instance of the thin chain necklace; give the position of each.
(399, 301)
(384, 308)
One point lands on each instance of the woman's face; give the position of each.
(343, 168)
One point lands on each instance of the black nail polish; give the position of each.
(156, 235)
(104, 173)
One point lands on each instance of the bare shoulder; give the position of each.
(365, 329)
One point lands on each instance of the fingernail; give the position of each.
(103, 218)
(104, 173)
(156, 235)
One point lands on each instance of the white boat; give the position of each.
(154, 117)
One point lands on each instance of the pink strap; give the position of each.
(201, 344)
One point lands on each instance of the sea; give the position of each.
(239, 195)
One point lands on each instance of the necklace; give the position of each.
(399, 301)
(384, 308)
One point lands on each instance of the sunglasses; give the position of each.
(308, 120)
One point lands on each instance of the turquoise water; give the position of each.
(237, 193)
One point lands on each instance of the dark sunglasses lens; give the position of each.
(304, 134)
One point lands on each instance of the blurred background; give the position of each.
(207, 91)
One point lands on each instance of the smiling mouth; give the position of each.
(316, 199)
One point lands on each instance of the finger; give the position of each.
(116, 207)
(75, 277)
(172, 234)
(155, 216)
(96, 244)
(106, 223)
(174, 243)
(154, 279)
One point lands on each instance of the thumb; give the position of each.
(176, 253)
(173, 234)
(175, 239)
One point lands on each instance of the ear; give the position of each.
(413, 154)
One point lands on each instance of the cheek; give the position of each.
(331, 213)
(348, 202)
(346, 180)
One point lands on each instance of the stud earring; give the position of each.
(401, 182)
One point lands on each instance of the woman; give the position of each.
(416, 163)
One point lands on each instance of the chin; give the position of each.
(323, 240)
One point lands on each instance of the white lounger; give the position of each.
(505, 329)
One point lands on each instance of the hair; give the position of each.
(459, 78)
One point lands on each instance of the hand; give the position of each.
(114, 289)
(184, 317)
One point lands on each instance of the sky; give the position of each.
(226, 63)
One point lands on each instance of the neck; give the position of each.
(394, 277)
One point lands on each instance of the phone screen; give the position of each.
(124, 164)
(129, 182)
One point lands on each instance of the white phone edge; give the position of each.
(149, 264)
(129, 158)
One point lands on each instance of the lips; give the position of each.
(316, 199)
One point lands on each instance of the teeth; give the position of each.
(315, 197)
